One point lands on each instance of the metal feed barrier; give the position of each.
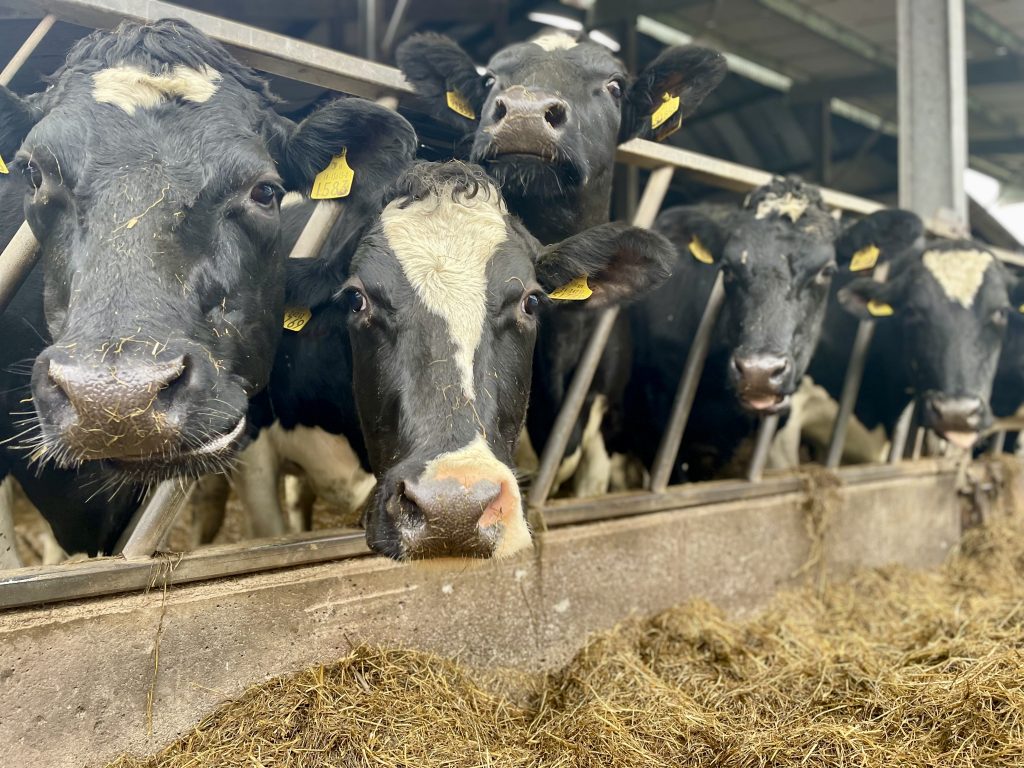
(140, 566)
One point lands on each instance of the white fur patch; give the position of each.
(131, 88)
(786, 205)
(444, 247)
(555, 41)
(476, 462)
(960, 273)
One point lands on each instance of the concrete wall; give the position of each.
(74, 678)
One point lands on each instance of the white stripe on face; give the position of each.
(959, 273)
(444, 247)
(131, 88)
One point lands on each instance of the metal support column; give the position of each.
(932, 109)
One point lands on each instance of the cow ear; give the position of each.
(444, 75)
(876, 238)
(669, 90)
(17, 116)
(695, 235)
(867, 299)
(605, 265)
(361, 146)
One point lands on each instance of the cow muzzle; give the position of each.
(958, 419)
(762, 382)
(524, 121)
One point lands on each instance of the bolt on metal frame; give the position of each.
(309, 63)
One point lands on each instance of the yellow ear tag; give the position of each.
(700, 253)
(879, 309)
(3, 166)
(459, 105)
(865, 258)
(335, 180)
(1021, 309)
(295, 318)
(669, 106)
(574, 290)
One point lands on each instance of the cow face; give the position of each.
(778, 255)
(445, 295)
(950, 305)
(153, 169)
(547, 115)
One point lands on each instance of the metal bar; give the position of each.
(394, 24)
(901, 432)
(112, 575)
(919, 435)
(540, 487)
(765, 434)
(314, 233)
(998, 441)
(16, 262)
(668, 448)
(31, 43)
(154, 519)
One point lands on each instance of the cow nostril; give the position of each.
(780, 370)
(500, 110)
(556, 115)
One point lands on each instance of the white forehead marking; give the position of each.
(555, 41)
(444, 247)
(787, 205)
(131, 88)
(960, 273)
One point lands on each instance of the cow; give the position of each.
(777, 255)
(544, 120)
(152, 170)
(435, 321)
(945, 309)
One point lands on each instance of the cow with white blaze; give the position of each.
(545, 120)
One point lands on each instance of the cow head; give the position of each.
(546, 116)
(445, 294)
(778, 255)
(950, 305)
(153, 169)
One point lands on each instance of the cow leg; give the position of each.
(299, 498)
(595, 466)
(8, 538)
(208, 501)
(256, 480)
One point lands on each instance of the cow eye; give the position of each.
(263, 194)
(33, 174)
(488, 80)
(530, 303)
(614, 87)
(999, 318)
(825, 274)
(355, 300)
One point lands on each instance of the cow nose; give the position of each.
(446, 518)
(762, 373)
(956, 414)
(527, 121)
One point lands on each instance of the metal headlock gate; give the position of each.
(140, 565)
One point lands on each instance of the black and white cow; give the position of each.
(945, 311)
(778, 254)
(440, 309)
(545, 120)
(151, 171)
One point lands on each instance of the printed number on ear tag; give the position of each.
(574, 290)
(865, 258)
(879, 309)
(295, 318)
(3, 166)
(669, 106)
(459, 105)
(335, 180)
(700, 253)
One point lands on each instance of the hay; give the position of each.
(891, 668)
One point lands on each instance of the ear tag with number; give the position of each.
(3, 166)
(335, 180)
(700, 253)
(879, 309)
(669, 106)
(295, 318)
(574, 290)
(458, 105)
(865, 258)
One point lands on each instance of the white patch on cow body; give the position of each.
(788, 204)
(131, 88)
(959, 273)
(292, 198)
(556, 41)
(444, 246)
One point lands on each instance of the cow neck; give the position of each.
(551, 219)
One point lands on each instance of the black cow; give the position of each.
(945, 310)
(152, 170)
(778, 254)
(441, 308)
(545, 120)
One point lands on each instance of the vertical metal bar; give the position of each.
(668, 448)
(851, 385)
(900, 433)
(765, 433)
(27, 48)
(394, 24)
(919, 435)
(998, 441)
(16, 262)
(554, 450)
(155, 518)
